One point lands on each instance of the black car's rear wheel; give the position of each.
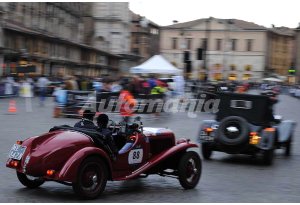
(206, 151)
(189, 170)
(288, 147)
(268, 156)
(91, 179)
(28, 181)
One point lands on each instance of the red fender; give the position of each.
(158, 158)
(70, 169)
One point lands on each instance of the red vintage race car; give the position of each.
(76, 157)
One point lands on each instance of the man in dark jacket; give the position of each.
(87, 120)
(102, 122)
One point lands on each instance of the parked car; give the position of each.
(82, 159)
(294, 91)
(245, 124)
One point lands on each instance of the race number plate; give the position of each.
(135, 156)
(17, 152)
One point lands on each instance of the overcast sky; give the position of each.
(262, 12)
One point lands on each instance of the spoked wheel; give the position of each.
(29, 181)
(91, 179)
(189, 170)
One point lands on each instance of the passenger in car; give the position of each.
(87, 120)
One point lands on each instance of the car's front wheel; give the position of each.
(189, 170)
(28, 181)
(91, 179)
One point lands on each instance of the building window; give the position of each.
(35, 45)
(136, 51)
(233, 44)
(174, 43)
(136, 40)
(218, 44)
(232, 67)
(12, 6)
(189, 43)
(248, 67)
(217, 67)
(154, 31)
(68, 52)
(249, 44)
(23, 10)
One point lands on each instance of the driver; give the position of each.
(87, 120)
(102, 122)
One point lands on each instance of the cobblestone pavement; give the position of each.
(225, 178)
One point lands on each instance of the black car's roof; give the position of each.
(253, 108)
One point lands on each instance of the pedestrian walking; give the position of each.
(42, 85)
(127, 102)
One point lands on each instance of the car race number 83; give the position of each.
(135, 156)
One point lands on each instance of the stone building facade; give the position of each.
(281, 52)
(52, 38)
(233, 49)
(144, 37)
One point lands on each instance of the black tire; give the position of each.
(189, 170)
(233, 138)
(30, 183)
(268, 156)
(91, 179)
(288, 148)
(206, 151)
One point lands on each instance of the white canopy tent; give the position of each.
(156, 65)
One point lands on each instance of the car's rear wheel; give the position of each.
(206, 151)
(91, 179)
(288, 148)
(268, 156)
(28, 181)
(189, 170)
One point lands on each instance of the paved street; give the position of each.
(226, 178)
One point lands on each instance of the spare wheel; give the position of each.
(233, 131)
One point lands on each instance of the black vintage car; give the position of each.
(245, 124)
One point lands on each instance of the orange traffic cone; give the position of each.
(12, 107)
